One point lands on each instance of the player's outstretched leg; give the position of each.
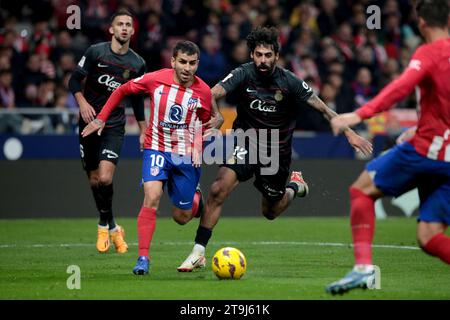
(197, 258)
(118, 239)
(363, 194)
(225, 182)
(357, 278)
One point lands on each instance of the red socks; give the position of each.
(362, 221)
(439, 246)
(146, 223)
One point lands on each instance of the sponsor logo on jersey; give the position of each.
(102, 65)
(169, 125)
(262, 106)
(176, 113)
(109, 81)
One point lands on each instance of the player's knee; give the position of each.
(105, 179)
(422, 239)
(93, 181)
(270, 214)
(182, 217)
(151, 199)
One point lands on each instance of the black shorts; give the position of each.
(95, 148)
(272, 187)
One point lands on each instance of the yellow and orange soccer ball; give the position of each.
(229, 263)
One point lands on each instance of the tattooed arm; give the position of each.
(356, 141)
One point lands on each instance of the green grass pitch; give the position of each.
(288, 259)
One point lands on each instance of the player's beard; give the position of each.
(121, 41)
(268, 69)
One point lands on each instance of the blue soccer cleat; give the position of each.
(142, 266)
(352, 280)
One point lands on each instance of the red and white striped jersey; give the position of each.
(176, 113)
(429, 69)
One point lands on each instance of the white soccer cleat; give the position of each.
(193, 261)
(297, 178)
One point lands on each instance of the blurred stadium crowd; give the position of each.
(324, 42)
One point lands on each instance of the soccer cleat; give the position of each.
(197, 203)
(117, 237)
(352, 280)
(192, 262)
(297, 178)
(103, 242)
(142, 266)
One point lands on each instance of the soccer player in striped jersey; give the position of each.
(181, 107)
(423, 161)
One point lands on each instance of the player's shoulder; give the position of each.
(433, 48)
(247, 68)
(287, 76)
(160, 76)
(201, 85)
(135, 55)
(100, 47)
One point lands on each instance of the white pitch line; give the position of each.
(254, 243)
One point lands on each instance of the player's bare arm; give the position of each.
(406, 135)
(356, 141)
(93, 126)
(142, 127)
(218, 92)
(216, 120)
(343, 121)
(87, 112)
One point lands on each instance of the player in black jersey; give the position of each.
(268, 98)
(106, 66)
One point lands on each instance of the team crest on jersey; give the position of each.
(192, 103)
(278, 95)
(126, 74)
(154, 171)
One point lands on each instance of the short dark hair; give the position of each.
(187, 47)
(434, 12)
(263, 36)
(121, 12)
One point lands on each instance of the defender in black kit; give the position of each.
(106, 66)
(268, 98)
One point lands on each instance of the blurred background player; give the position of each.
(422, 162)
(269, 97)
(106, 66)
(181, 105)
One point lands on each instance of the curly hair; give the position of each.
(263, 36)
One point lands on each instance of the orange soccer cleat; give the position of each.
(117, 237)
